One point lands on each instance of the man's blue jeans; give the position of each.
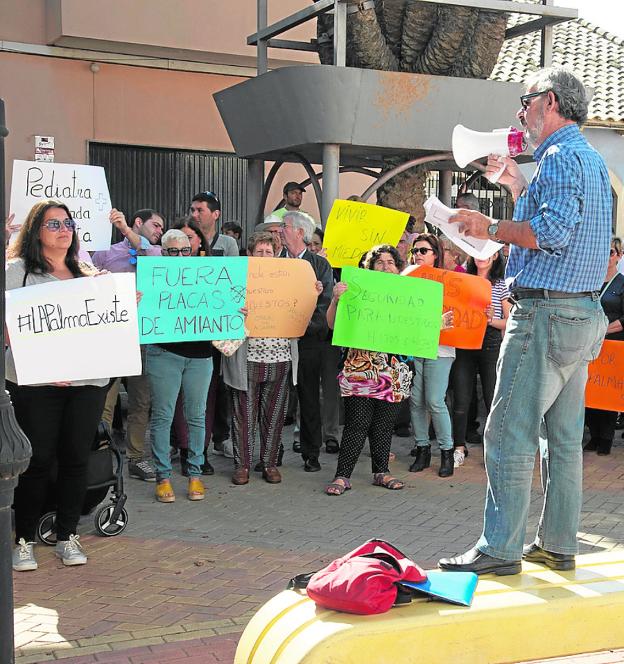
(431, 379)
(541, 376)
(167, 373)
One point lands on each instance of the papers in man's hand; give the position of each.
(437, 214)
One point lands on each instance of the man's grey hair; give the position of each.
(302, 220)
(469, 200)
(569, 91)
(171, 236)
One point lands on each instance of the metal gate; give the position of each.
(166, 180)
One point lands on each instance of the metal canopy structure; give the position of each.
(371, 114)
(347, 118)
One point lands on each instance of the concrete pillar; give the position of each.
(331, 174)
(445, 189)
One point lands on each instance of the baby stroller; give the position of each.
(104, 473)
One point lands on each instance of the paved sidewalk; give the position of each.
(182, 581)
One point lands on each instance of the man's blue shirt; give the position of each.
(568, 204)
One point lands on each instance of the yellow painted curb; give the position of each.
(538, 614)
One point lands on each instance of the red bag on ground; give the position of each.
(365, 580)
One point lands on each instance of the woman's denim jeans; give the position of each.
(540, 388)
(167, 373)
(428, 392)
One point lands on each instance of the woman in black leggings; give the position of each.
(59, 419)
(373, 385)
(468, 363)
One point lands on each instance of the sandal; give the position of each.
(387, 481)
(338, 488)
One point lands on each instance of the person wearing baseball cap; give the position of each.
(291, 202)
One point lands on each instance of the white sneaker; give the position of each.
(70, 551)
(224, 448)
(24, 556)
(458, 458)
(228, 449)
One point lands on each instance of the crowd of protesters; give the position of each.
(200, 397)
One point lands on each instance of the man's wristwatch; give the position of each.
(492, 230)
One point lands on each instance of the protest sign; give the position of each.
(389, 313)
(467, 296)
(281, 297)
(74, 330)
(353, 228)
(605, 378)
(82, 188)
(437, 214)
(191, 299)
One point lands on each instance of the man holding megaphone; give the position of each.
(560, 237)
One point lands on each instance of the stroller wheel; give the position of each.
(104, 524)
(46, 528)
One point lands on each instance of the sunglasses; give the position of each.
(525, 100)
(54, 225)
(423, 251)
(174, 251)
(212, 195)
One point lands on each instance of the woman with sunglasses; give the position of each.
(431, 380)
(601, 423)
(169, 367)
(59, 419)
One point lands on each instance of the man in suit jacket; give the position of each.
(296, 231)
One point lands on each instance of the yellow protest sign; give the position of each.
(353, 228)
(281, 297)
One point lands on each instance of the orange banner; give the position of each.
(281, 297)
(605, 380)
(468, 296)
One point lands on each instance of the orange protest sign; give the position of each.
(468, 296)
(605, 384)
(281, 297)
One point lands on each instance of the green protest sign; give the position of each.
(191, 299)
(389, 313)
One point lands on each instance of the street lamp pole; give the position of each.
(15, 448)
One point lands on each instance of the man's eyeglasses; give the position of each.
(174, 251)
(54, 225)
(525, 100)
(423, 251)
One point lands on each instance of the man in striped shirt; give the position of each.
(560, 238)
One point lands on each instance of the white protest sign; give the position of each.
(82, 188)
(75, 329)
(437, 214)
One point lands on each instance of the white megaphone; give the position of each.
(469, 145)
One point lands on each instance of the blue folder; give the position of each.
(453, 587)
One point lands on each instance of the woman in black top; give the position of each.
(601, 423)
(169, 367)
